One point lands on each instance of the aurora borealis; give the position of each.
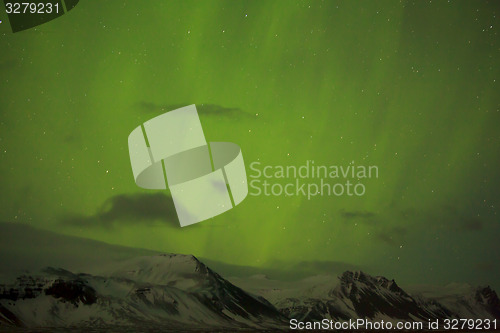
(410, 87)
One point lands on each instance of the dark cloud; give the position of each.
(206, 109)
(135, 208)
(386, 234)
(444, 217)
(484, 266)
(9, 64)
(356, 214)
(472, 224)
(393, 236)
(455, 220)
(408, 213)
(74, 137)
(385, 238)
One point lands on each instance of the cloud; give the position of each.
(472, 224)
(443, 217)
(393, 236)
(130, 208)
(205, 109)
(365, 216)
(74, 137)
(384, 233)
(9, 64)
(484, 266)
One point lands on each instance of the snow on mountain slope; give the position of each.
(461, 299)
(111, 286)
(358, 295)
(173, 291)
(181, 271)
(276, 290)
(180, 292)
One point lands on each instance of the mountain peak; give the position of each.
(354, 276)
(152, 290)
(352, 282)
(487, 296)
(180, 257)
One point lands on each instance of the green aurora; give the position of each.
(411, 87)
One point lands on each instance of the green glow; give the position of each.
(411, 87)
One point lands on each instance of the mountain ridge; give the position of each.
(191, 295)
(55, 297)
(113, 286)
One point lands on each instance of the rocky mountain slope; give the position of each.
(359, 295)
(175, 291)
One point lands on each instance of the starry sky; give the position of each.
(409, 86)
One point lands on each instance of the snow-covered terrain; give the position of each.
(355, 295)
(95, 285)
(173, 291)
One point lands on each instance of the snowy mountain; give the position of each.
(108, 286)
(179, 292)
(355, 295)
(171, 291)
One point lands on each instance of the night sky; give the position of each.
(411, 87)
